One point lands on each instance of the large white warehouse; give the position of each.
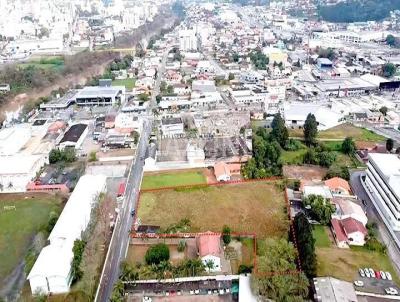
(51, 271)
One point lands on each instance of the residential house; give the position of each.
(224, 171)
(209, 249)
(348, 231)
(338, 186)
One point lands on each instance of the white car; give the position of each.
(367, 273)
(383, 275)
(388, 276)
(371, 271)
(361, 271)
(358, 283)
(391, 291)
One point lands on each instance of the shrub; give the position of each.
(226, 234)
(157, 253)
(245, 269)
(375, 245)
(181, 246)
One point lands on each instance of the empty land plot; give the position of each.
(305, 172)
(21, 218)
(175, 178)
(256, 207)
(342, 131)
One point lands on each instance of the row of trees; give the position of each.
(67, 155)
(279, 255)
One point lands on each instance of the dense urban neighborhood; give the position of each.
(243, 150)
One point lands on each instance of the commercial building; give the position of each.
(328, 289)
(100, 96)
(51, 273)
(74, 136)
(171, 127)
(383, 183)
(188, 40)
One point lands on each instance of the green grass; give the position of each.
(342, 131)
(128, 83)
(293, 157)
(169, 179)
(255, 207)
(19, 226)
(321, 236)
(54, 63)
(344, 263)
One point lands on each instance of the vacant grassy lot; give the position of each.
(321, 237)
(128, 83)
(19, 226)
(55, 63)
(344, 263)
(248, 207)
(176, 178)
(342, 131)
(293, 157)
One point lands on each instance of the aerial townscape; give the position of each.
(199, 151)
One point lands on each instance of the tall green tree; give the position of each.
(388, 70)
(279, 130)
(310, 130)
(391, 40)
(278, 255)
(305, 244)
(348, 146)
(321, 208)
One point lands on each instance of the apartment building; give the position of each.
(383, 183)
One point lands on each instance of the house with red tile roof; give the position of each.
(338, 186)
(209, 247)
(224, 171)
(348, 231)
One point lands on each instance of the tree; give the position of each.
(231, 76)
(181, 246)
(92, 156)
(157, 253)
(144, 97)
(348, 146)
(383, 110)
(158, 99)
(77, 249)
(54, 156)
(321, 208)
(390, 40)
(389, 144)
(279, 130)
(278, 255)
(388, 70)
(310, 130)
(226, 234)
(210, 265)
(305, 244)
(326, 158)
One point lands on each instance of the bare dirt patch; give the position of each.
(306, 172)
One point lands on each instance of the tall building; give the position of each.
(187, 40)
(383, 182)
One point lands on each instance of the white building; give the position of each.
(383, 183)
(209, 246)
(16, 171)
(100, 96)
(187, 40)
(172, 127)
(74, 136)
(51, 272)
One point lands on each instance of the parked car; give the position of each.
(367, 273)
(358, 283)
(383, 275)
(391, 291)
(378, 275)
(388, 276)
(361, 271)
(371, 271)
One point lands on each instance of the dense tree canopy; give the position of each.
(389, 69)
(157, 254)
(259, 59)
(306, 245)
(279, 131)
(321, 208)
(358, 10)
(348, 146)
(278, 255)
(310, 130)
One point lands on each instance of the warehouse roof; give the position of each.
(97, 91)
(74, 133)
(18, 164)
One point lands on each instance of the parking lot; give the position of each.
(375, 285)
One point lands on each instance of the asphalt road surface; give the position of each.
(120, 241)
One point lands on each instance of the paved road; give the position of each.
(120, 241)
(373, 215)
